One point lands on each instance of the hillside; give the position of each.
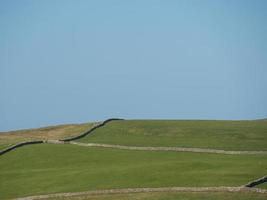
(227, 135)
(73, 167)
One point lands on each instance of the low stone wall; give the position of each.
(147, 190)
(20, 145)
(174, 149)
(257, 182)
(90, 130)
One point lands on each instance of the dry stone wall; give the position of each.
(90, 130)
(257, 182)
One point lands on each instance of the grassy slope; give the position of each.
(51, 132)
(81, 169)
(172, 196)
(228, 135)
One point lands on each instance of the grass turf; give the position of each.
(227, 135)
(171, 196)
(50, 168)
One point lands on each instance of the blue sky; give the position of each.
(78, 61)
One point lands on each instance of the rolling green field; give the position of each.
(55, 168)
(227, 135)
(70, 168)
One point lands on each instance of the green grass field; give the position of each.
(70, 168)
(227, 135)
(55, 168)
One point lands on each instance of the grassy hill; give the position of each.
(55, 168)
(227, 135)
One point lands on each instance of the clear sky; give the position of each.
(78, 61)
